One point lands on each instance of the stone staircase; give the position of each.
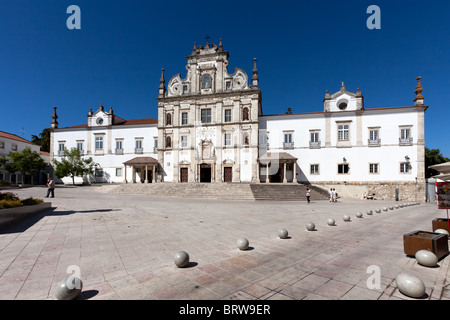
(222, 191)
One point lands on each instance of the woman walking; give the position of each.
(308, 194)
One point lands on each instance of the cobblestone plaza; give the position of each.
(124, 246)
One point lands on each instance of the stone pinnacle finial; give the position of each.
(255, 75)
(342, 86)
(327, 94)
(162, 80)
(419, 97)
(220, 45)
(54, 117)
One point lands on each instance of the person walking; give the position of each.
(330, 193)
(308, 194)
(334, 194)
(50, 188)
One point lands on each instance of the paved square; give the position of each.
(124, 246)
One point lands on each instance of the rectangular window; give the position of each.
(373, 135)
(14, 147)
(314, 137)
(80, 146)
(405, 134)
(227, 139)
(343, 132)
(61, 147)
(184, 118)
(373, 168)
(98, 173)
(343, 168)
(138, 147)
(98, 143)
(118, 172)
(185, 89)
(227, 115)
(119, 146)
(314, 169)
(288, 142)
(206, 115)
(184, 141)
(2, 145)
(405, 167)
(228, 85)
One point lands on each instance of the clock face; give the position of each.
(99, 121)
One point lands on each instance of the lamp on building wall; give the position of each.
(345, 160)
(406, 158)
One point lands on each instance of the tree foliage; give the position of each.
(73, 165)
(42, 140)
(26, 161)
(432, 157)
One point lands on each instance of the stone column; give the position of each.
(146, 175)
(154, 173)
(133, 174)
(294, 178)
(267, 173)
(125, 175)
(257, 172)
(284, 173)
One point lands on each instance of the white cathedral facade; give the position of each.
(211, 128)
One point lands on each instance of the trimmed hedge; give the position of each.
(10, 200)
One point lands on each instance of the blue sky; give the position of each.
(303, 49)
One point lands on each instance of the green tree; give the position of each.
(73, 165)
(26, 161)
(432, 157)
(42, 140)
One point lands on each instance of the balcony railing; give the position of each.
(374, 143)
(288, 145)
(61, 153)
(119, 151)
(405, 142)
(314, 144)
(139, 150)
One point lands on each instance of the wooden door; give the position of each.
(184, 174)
(228, 174)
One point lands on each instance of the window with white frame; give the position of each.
(405, 167)
(13, 147)
(61, 147)
(288, 141)
(206, 115)
(118, 172)
(80, 145)
(374, 168)
(99, 143)
(2, 145)
(184, 141)
(138, 146)
(119, 146)
(343, 132)
(374, 137)
(314, 141)
(405, 136)
(184, 118)
(314, 169)
(227, 139)
(227, 115)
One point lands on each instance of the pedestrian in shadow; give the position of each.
(308, 194)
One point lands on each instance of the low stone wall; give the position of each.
(11, 215)
(407, 191)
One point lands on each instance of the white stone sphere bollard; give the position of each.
(346, 218)
(69, 289)
(359, 215)
(181, 259)
(310, 226)
(331, 222)
(426, 258)
(243, 243)
(410, 285)
(282, 233)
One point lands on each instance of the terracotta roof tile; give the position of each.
(141, 160)
(14, 137)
